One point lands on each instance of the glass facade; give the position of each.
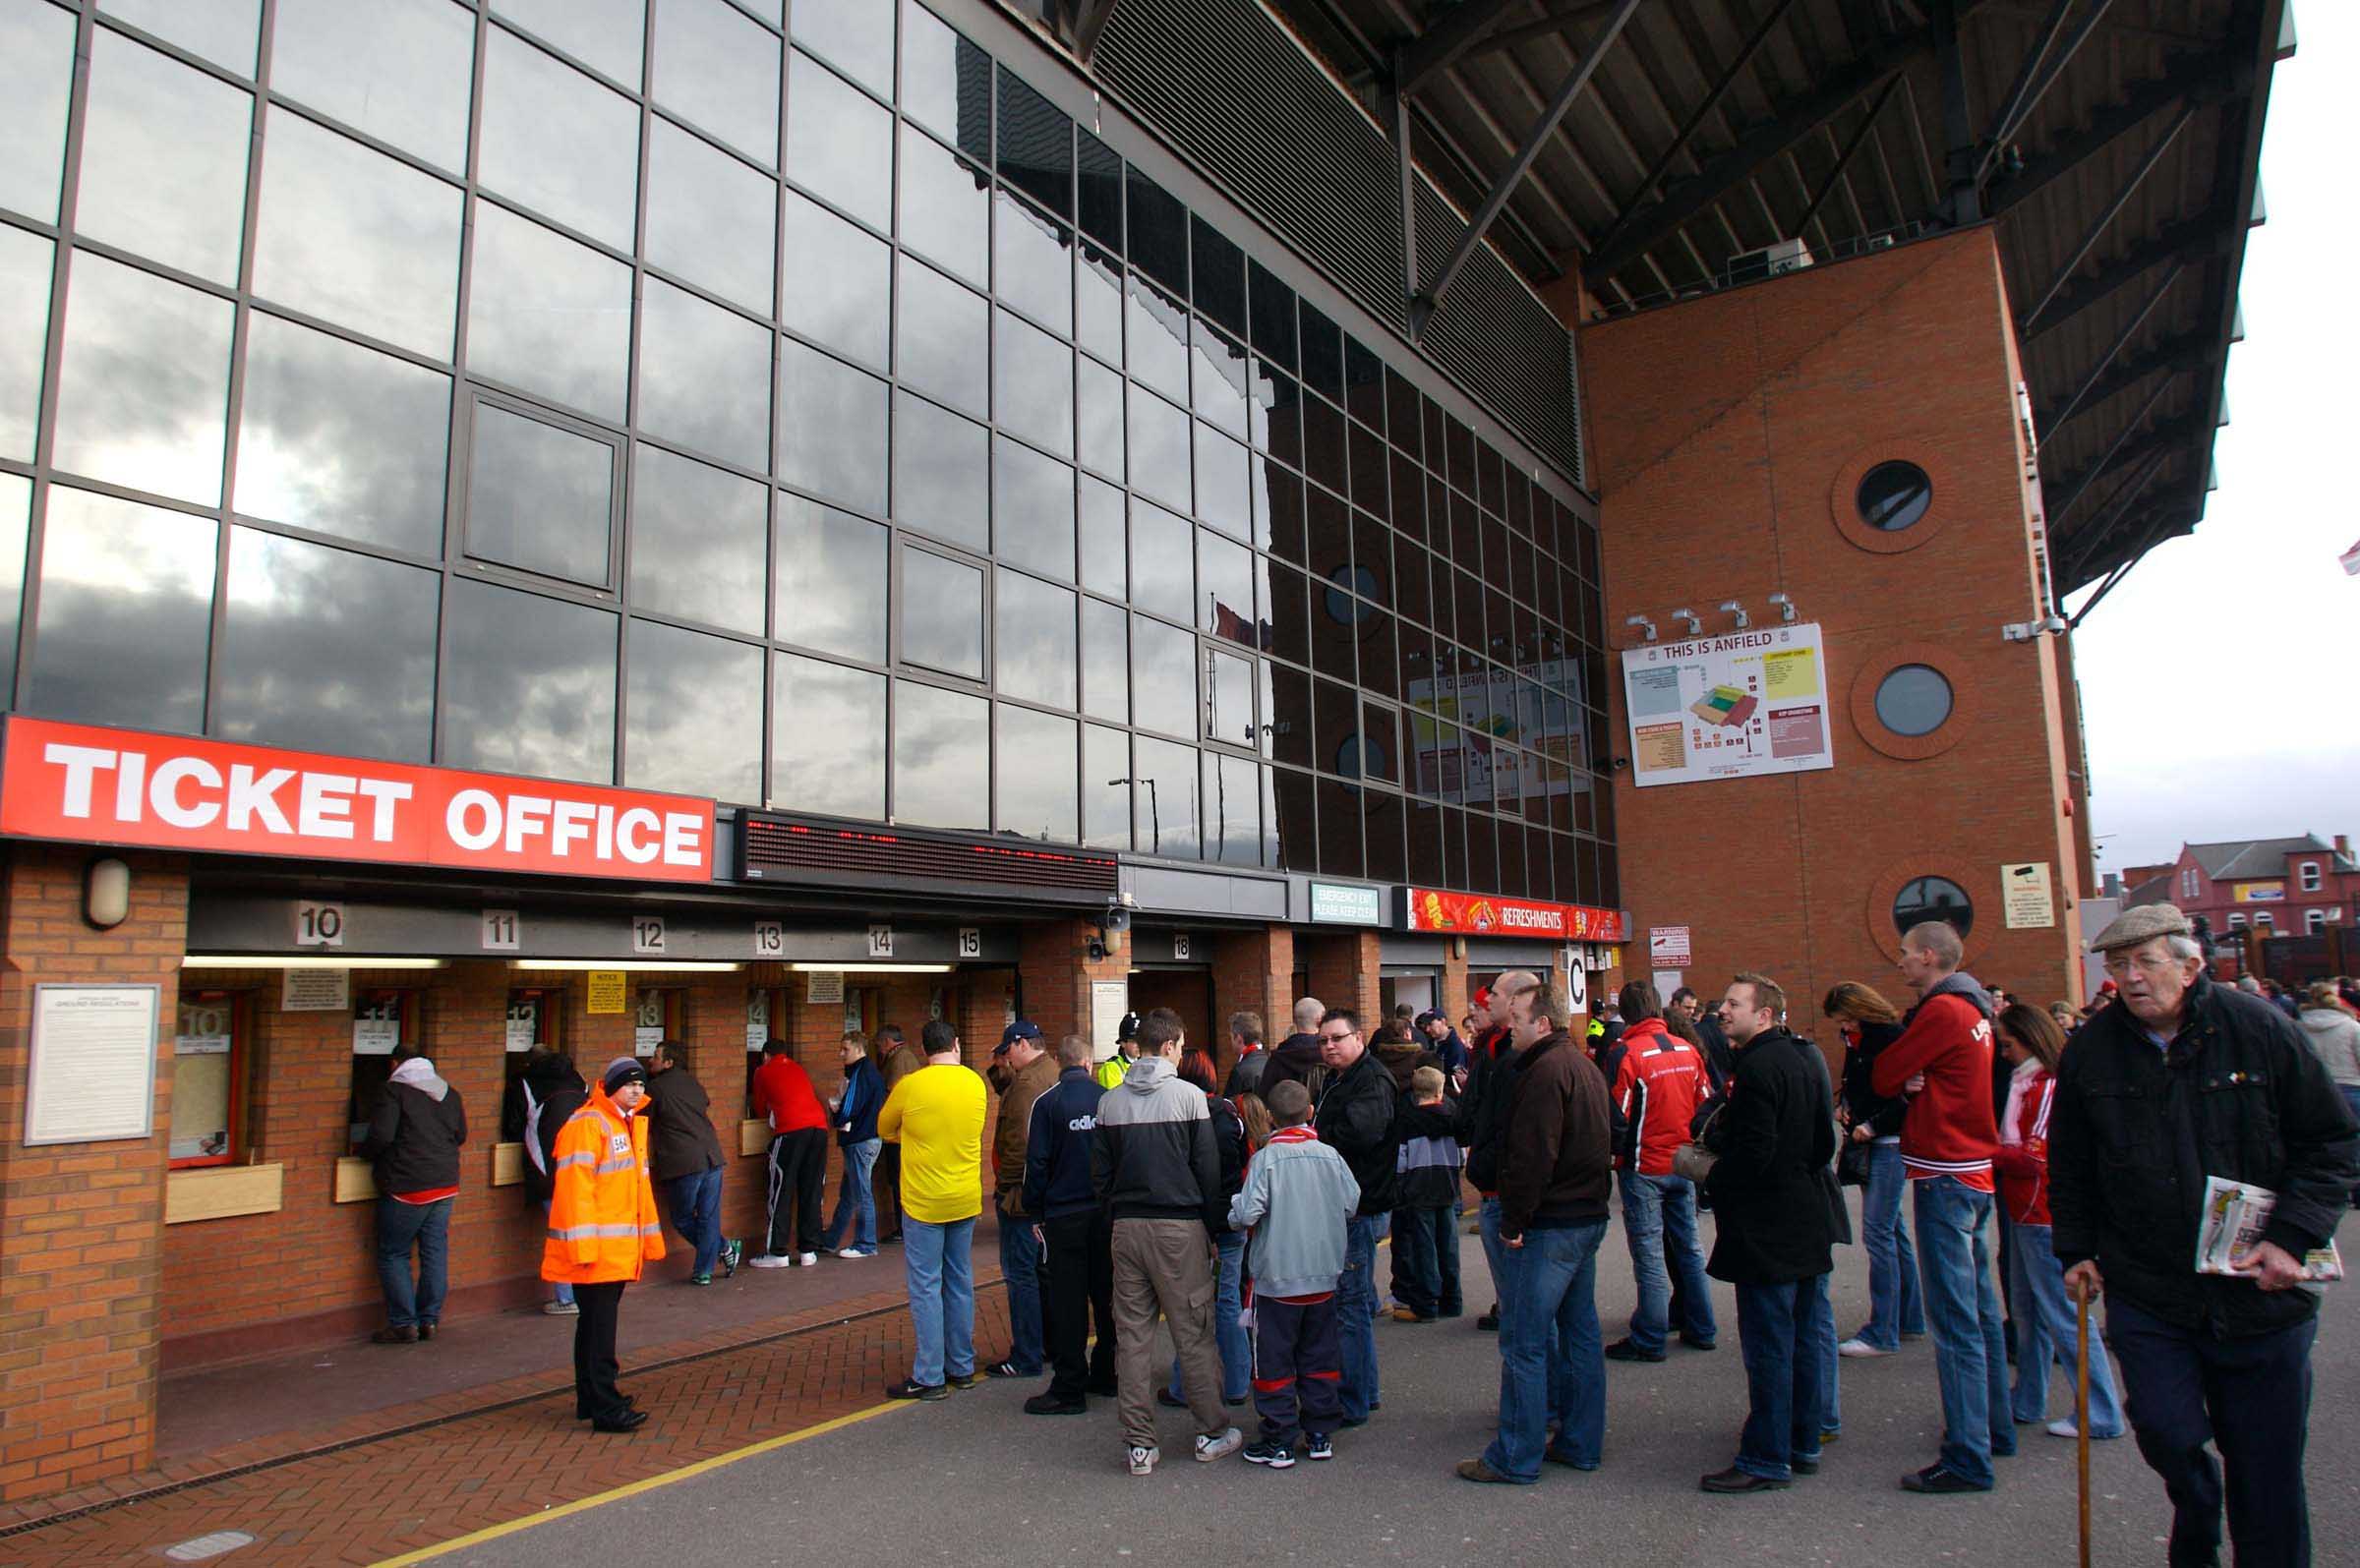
(641, 391)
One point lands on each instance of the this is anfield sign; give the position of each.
(1483, 915)
(93, 785)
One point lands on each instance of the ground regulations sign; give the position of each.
(1729, 707)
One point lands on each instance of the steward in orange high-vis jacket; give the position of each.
(603, 1232)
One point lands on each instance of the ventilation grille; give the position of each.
(1223, 80)
(779, 848)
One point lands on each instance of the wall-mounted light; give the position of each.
(635, 966)
(1730, 606)
(106, 892)
(1645, 625)
(1786, 606)
(1695, 623)
(862, 969)
(280, 960)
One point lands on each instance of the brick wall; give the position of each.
(1344, 969)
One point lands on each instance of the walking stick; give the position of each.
(2081, 1410)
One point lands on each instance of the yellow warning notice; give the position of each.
(1794, 673)
(604, 992)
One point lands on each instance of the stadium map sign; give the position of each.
(1735, 706)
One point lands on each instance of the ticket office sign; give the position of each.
(1740, 706)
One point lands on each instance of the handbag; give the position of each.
(1693, 1162)
(1853, 1161)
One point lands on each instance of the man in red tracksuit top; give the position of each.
(1656, 1090)
(1943, 1061)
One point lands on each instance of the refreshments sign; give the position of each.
(90, 785)
(1484, 914)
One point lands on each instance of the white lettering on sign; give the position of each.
(647, 933)
(319, 925)
(1530, 919)
(880, 942)
(323, 799)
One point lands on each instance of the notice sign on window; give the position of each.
(1735, 706)
(2025, 895)
(1109, 1000)
(604, 991)
(93, 1074)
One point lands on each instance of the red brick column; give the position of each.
(81, 1224)
(1058, 972)
(1344, 970)
(1252, 971)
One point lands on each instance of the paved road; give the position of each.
(974, 1475)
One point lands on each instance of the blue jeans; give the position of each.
(1237, 1356)
(1961, 1306)
(1552, 1357)
(1783, 1379)
(1659, 1219)
(695, 1200)
(1356, 1314)
(1487, 1225)
(2048, 1331)
(1820, 1323)
(399, 1227)
(938, 1262)
(856, 1201)
(1019, 1267)
(1896, 1302)
(564, 1292)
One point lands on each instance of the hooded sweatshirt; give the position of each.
(1951, 1128)
(1153, 1156)
(414, 1135)
(1297, 1197)
(2337, 1038)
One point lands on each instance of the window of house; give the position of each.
(2266, 920)
(2315, 920)
(2308, 871)
(2236, 921)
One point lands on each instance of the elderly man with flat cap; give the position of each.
(2180, 1080)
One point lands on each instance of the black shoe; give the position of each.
(1693, 1343)
(1318, 1445)
(426, 1331)
(1488, 1322)
(1054, 1405)
(1008, 1370)
(1804, 1467)
(1233, 1403)
(582, 1412)
(963, 1380)
(1624, 1350)
(1106, 1390)
(1163, 1397)
(1933, 1479)
(406, 1334)
(630, 1420)
(907, 1389)
(1552, 1457)
(1734, 1482)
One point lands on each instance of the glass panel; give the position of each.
(942, 338)
(1224, 589)
(125, 608)
(721, 71)
(1036, 775)
(1105, 789)
(1322, 355)
(1160, 451)
(163, 158)
(1229, 700)
(220, 30)
(704, 376)
(827, 730)
(1218, 377)
(831, 427)
(540, 498)
(1223, 496)
(945, 209)
(1163, 677)
(1101, 187)
(1035, 269)
(709, 218)
(839, 143)
(604, 34)
(144, 387)
(830, 593)
(341, 440)
(1103, 554)
(1218, 274)
(854, 36)
(559, 143)
(1163, 798)
(1364, 384)
(1033, 640)
(1037, 147)
(1160, 554)
(1032, 385)
(941, 758)
(1098, 304)
(1232, 810)
(1032, 509)
(697, 543)
(1271, 314)
(352, 237)
(942, 613)
(27, 262)
(529, 687)
(36, 77)
(548, 315)
(1340, 829)
(941, 478)
(1105, 661)
(326, 649)
(1158, 231)
(399, 70)
(1098, 425)
(838, 282)
(1157, 327)
(1292, 814)
(16, 528)
(685, 720)
(946, 82)
(1287, 713)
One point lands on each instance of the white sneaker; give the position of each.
(807, 1260)
(557, 1309)
(1143, 1460)
(855, 1252)
(1856, 1345)
(1218, 1445)
(770, 1260)
(2063, 1427)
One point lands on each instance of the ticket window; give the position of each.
(766, 1016)
(208, 1079)
(536, 1016)
(658, 1014)
(381, 1021)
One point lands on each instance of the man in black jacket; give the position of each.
(1356, 1120)
(1075, 1239)
(1494, 1009)
(1297, 1057)
(536, 1106)
(684, 1154)
(2180, 1081)
(414, 1135)
(1775, 1203)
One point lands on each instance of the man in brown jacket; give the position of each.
(896, 1059)
(1029, 1071)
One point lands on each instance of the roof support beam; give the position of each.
(2113, 210)
(1560, 19)
(2114, 375)
(1090, 19)
(2080, 484)
(2178, 436)
(2188, 242)
(1963, 201)
(1422, 308)
(2165, 518)
(2085, 539)
(1844, 156)
(2199, 79)
(1431, 53)
(1397, 105)
(2039, 74)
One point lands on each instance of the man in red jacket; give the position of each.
(1657, 1089)
(799, 1157)
(1943, 1061)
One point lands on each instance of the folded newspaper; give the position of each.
(2235, 1215)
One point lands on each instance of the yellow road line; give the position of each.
(634, 1488)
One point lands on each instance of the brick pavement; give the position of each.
(413, 1475)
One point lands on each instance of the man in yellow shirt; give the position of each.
(937, 1117)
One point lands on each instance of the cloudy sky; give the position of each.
(2217, 680)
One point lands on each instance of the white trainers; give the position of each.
(855, 1252)
(770, 1260)
(557, 1309)
(2063, 1427)
(1856, 1345)
(1218, 1445)
(1143, 1460)
(807, 1260)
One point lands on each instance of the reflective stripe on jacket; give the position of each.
(603, 1224)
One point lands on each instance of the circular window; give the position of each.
(1912, 700)
(1894, 496)
(1926, 898)
(1345, 582)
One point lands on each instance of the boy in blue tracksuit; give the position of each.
(1298, 1196)
(1076, 1238)
(855, 1114)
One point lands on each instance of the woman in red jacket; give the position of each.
(2045, 1329)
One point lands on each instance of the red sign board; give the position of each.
(1482, 914)
(84, 784)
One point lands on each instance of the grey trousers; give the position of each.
(1166, 1265)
